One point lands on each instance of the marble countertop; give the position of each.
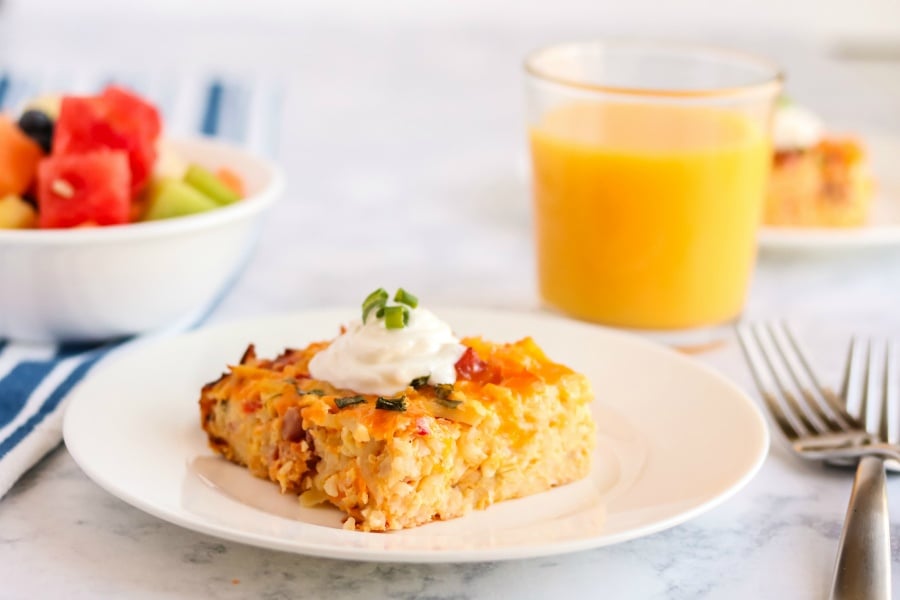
(404, 151)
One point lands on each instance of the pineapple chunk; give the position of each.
(168, 162)
(49, 104)
(15, 213)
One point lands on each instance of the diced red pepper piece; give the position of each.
(470, 366)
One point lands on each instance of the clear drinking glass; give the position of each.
(650, 162)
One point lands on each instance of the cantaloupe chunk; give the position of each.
(19, 156)
(232, 180)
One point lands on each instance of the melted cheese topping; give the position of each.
(512, 372)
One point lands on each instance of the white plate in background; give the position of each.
(675, 439)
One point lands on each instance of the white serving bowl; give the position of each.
(106, 282)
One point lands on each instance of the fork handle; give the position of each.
(863, 569)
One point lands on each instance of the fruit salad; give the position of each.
(88, 161)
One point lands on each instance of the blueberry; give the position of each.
(39, 127)
(45, 141)
(35, 121)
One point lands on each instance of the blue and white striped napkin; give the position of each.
(35, 378)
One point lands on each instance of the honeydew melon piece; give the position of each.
(168, 198)
(207, 183)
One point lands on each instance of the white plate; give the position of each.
(883, 228)
(675, 439)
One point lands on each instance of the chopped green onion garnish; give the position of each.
(376, 299)
(448, 402)
(443, 395)
(404, 297)
(273, 396)
(419, 382)
(396, 404)
(295, 383)
(443, 390)
(395, 317)
(367, 310)
(379, 294)
(348, 401)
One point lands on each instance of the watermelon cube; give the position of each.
(82, 189)
(115, 120)
(126, 107)
(19, 156)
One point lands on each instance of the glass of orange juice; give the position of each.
(650, 163)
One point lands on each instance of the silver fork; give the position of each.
(815, 422)
(809, 414)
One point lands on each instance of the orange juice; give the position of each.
(646, 214)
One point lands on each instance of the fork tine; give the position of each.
(763, 380)
(770, 353)
(794, 362)
(834, 403)
(876, 388)
(892, 394)
(883, 391)
(853, 386)
(848, 370)
(871, 400)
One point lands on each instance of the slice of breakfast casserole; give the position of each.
(513, 423)
(817, 179)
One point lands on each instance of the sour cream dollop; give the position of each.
(796, 128)
(371, 359)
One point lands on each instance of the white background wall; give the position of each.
(808, 18)
(355, 49)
